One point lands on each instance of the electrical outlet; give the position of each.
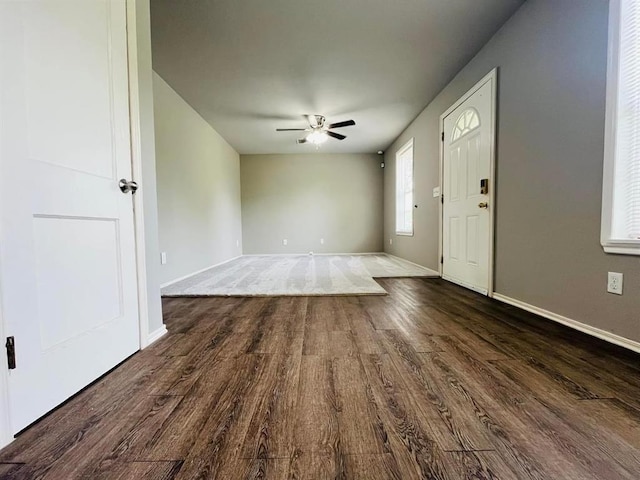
(436, 192)
(163, 258)
(391, 241)
(238, 243)
(284, 242)
(614, 283)
(322, 241)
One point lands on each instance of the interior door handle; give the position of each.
(128, 186)
(483, 205)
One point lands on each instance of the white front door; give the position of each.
(467, 161)
(67, 259)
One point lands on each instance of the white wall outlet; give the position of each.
(436, 192)
(238, 243)
(391, 241)
(163, 258)
(322, 241)
(614, 283)
(284, 242)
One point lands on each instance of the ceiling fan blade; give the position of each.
(346, 123)
(302, 140)
(291, 129)
(336, 135)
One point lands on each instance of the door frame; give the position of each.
(492, 77)
(136, 174)
(6, 435)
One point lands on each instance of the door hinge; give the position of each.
(441, 259)
(11, 352)
(442, 198)
(442, 136)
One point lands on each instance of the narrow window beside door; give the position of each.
(621, 189)
(404, 189)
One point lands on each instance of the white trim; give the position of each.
(154, 336)
(432, 272)
(305, 254)
(136, 174)
(610, 123)
(609, 244)
(171, 282)
(621, 248)
(582, 327)
(492, 77)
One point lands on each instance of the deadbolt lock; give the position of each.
(484, 186)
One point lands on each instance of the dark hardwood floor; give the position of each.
(431, 381)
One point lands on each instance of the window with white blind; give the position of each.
(404, 189)
(621, 189)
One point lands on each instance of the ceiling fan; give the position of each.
(318, 131)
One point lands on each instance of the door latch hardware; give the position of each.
(11, 352)
(128, 186)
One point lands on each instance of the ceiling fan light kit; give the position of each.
(318, 131)
(317, 137)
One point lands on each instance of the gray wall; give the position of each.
(552, 58)
(198, 188)
(304, 198)
(148, 181)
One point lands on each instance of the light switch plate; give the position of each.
(436, 192)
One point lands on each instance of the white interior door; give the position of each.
(467, 160)
(67, 259)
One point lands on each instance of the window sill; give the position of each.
(404, 234)
(621, 247)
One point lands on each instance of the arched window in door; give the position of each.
(468, 121)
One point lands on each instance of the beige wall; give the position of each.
(551, 102)
(198, 188)
(304, 198)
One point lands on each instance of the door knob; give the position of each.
(483, 205)
(128, 186)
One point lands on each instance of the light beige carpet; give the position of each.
(295, 275)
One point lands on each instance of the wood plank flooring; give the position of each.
(432, 381)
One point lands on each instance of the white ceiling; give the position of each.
(251, 66)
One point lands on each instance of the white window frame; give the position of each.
(609, 242)
(401, 195)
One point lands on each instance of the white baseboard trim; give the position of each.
(171, 282)
(157, 334)
(314, 254)
(431, 272)
(582, 327)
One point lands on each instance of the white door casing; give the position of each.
(467, 213)
(67, 245)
